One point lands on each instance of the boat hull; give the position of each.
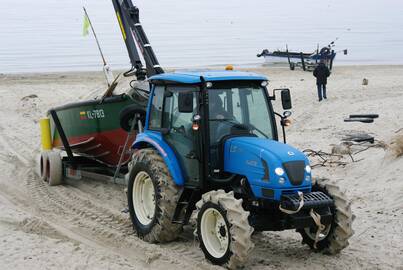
(92, 129)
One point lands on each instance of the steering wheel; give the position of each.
(248, 127)
(252, 127)
(180, 129)
(224, 127)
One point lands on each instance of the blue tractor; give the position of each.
(208, 142)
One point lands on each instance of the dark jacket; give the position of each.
(321, 73)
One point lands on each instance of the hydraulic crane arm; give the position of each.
(133, 33)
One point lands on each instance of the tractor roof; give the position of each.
(193, 77)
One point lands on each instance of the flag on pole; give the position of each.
(86, 25)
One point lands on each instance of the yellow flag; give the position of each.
(86, 25)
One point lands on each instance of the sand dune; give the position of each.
(80, 225)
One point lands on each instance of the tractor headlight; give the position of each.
(281, 180)
(279, 171)
(308, 178)
(308, 169)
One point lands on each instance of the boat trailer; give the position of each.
(306, 61)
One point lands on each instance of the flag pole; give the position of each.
(107, 71)
(95, 35)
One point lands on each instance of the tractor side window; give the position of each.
(181, 136)
(173, 119)
(156, 107)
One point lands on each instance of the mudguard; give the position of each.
(155, 139)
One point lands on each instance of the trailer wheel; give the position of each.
(335, 236)
(152, 197)
(54, 169)
(223, 229)
(43, 163)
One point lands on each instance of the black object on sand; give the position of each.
(364, 116)
(362, 120)
(359, 138)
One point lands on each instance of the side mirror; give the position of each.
(286, 99)
(185, 102)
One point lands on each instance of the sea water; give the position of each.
(46, 35)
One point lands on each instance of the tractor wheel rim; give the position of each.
(311, 232)
(144, 198)
(214, 232)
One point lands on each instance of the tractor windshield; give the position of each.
(239, 110)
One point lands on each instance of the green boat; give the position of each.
(92, 127)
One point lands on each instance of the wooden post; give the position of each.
(302, 61)
(288, 56)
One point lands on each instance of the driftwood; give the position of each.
(400, 129)
(325, 159)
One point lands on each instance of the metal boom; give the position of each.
(133, 33)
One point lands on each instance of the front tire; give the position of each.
(223, 229)
(152, 197)
(335, 236)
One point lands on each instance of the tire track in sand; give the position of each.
(8, 147)
(111, 229)
(91, 223)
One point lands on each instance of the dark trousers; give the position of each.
(321, 91)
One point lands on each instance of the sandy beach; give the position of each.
(80, 225)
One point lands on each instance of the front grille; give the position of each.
(295, 171)
(311, 200)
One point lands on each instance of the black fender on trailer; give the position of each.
(127, 115)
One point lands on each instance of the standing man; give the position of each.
(321, 73)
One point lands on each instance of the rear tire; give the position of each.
(223, 229)
(340, 230)
(54, 168)
(43, 161)
(152, 197)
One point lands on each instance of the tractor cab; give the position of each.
(202, 119)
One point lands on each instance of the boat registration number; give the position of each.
(92, 114)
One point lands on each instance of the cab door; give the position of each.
(178, 132)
